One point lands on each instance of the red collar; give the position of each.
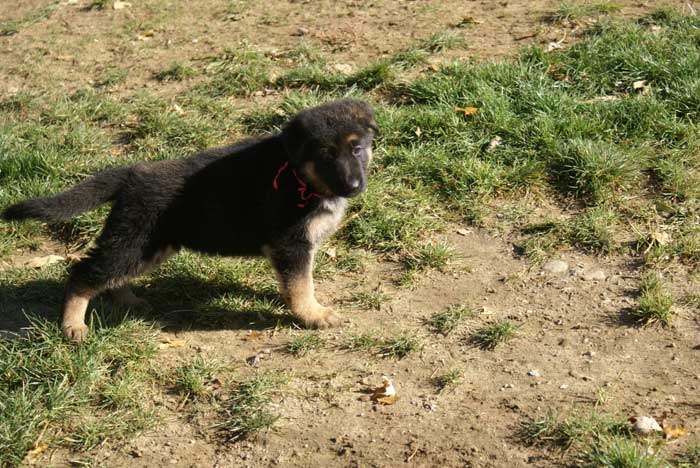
(304, 197)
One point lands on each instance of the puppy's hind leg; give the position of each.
(293, 268)
(124, 296)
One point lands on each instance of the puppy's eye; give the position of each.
(357, 151)
(326, 153)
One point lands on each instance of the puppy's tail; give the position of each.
(87, 195)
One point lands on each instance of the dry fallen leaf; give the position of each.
(387, 400)
(641, 86)
(38, 262)
(253, 335)
(37, 450)
(167, 342)
(178, 110)
(494, 143)
(433, 67)
(467, 111)
(553, 46)
(418, 131)
(386, 394)
(463, 232)
(672, 432)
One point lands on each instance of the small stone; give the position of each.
(301, 32)
(556, 267)
(589, 354)
(645, 425)
(253, 361)
(594, 275)
(563, 386)
(533, 373)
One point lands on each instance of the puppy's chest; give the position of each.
(326, 220)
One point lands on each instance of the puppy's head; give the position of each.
(332, 146)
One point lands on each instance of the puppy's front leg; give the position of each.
(294, 272)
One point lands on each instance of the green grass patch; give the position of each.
(305, 343)
(448, 380)
(11, 27)
(401, 345)
(593, 439)
(85, 395)
(192, 378)
(366, 341)
(572, 11)
(490, 336)
(369, 300)
(175, 72)
(446, 321)
(248, 410)
(655, 302)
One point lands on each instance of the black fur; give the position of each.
(221, 201)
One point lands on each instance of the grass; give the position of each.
(655, 303)
(448, 380)
(366, 341)
(370, 300)
(593, 439)
(247, 411)
(175, 72)
(84, 396)
(303, 344)
(11, 27)
(571, 11)
(574, 133)
(447, 321)
(400, 346)
(192, 378)
(490, 336)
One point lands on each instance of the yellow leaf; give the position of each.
(253, 335)
(387, 400)
(171, 343)
(467, 111)
(36, 451)
(674, 432)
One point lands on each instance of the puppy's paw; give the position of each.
(76, 332)
(321, 317)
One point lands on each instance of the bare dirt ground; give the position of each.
(572, 331)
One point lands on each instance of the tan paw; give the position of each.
(321, 317)
(77, 333)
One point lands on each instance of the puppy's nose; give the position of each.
(354, 183)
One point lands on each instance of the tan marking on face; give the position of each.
(369, 155)
(351, 138)
(310, 174)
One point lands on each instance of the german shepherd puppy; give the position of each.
(280, 196)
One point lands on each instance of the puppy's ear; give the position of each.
(295, 138)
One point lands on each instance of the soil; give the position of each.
(572, 332)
